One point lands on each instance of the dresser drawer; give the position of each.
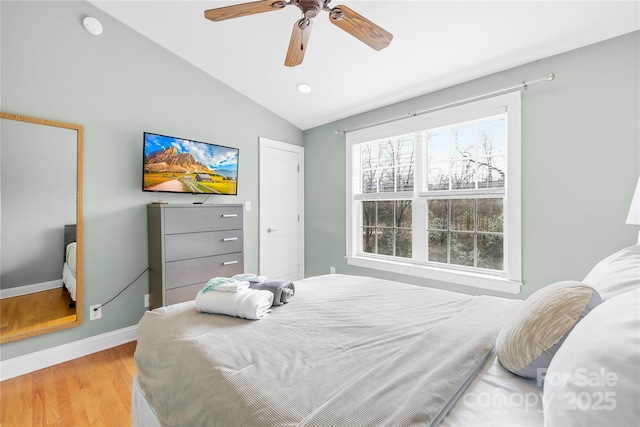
(202, 218)
(200, 270)
(185, 293)
(198, 245)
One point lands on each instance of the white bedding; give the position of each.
(607, 338)
(495, 397)
(142, 414)
(348, 350)
(69, 270)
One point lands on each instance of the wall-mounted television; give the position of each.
(176, 165)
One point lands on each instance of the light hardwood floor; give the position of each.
(27, 312)
(94, 390)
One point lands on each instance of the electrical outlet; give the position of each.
(146, 301)
(95, 312)
(332, 270)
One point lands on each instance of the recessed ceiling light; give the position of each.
(303, 87)
(92, 25)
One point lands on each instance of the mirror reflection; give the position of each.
(40, 226)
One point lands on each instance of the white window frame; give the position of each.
(509, 280)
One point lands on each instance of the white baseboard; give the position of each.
(30, 289)
(52, 356)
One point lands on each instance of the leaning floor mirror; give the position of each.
(41, 227)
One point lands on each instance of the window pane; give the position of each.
(491, 135)
(462, 214)
(438, 176)
(490, 215)
(369, 155)
(387, 180)
(490, 251)
(403, 214)
(368, 214)
(463, 174)
(438, 213)
(386, 157)
(438, 246)
(403, 243)
(369, 181)
(368, 230)
(385, 241)
(387, 165)
(467, 218)
(467, 156)
(404, 151)
(385, 214)
(438, 144)
(387, 227)
(369, 240)
(490, 172)
(491, 165)
(462, 249)
(463, 152)
(463, 140)
(405, 178)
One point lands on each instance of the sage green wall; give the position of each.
(118, 85)
(580, 131)
(580, 165)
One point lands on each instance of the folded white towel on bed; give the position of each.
(249, 304)
(238, 286)
(249, 277)
(225, 284)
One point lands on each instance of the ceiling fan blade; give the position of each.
(360, 27)
(244, 9)
(298, 42)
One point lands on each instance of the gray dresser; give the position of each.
(190, 244)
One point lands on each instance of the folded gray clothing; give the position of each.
(283, 292)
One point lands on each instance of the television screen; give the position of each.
(177, 165)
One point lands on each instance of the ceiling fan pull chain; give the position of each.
(303, 26)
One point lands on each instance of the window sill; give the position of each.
(476, 280)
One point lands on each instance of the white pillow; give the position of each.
(616, 274)
(593, 380)
(531, 336)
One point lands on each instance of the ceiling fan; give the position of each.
(341, 16)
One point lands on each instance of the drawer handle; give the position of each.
(229, 262)
(229, 239)
(229, 215)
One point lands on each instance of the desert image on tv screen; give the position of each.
(184, 166)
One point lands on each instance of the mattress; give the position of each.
(142, 414)
(495, 397)
(605, 345)
(348, 350)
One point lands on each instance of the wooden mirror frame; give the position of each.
(79, 230)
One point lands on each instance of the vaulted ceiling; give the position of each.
(436, 44)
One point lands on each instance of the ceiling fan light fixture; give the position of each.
(303, 87)
(336, 14)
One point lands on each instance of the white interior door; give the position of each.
(281, 210)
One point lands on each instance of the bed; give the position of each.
(69, 264)
(360, 351)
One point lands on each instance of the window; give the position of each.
(438, 195)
